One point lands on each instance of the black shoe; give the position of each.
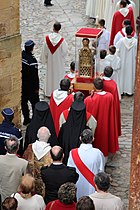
(48, 5)
(26, 122)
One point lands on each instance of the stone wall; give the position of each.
(10, 57)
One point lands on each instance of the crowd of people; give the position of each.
(61, 162)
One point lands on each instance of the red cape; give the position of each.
(106, 134)
(110, 86)
(66, 112)
(66, 76)
(118, 18)
(57, 110)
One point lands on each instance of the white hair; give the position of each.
(43, 134)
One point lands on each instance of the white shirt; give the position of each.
(36, 202)
(93, 158)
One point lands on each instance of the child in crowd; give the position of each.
(104, 39)
(102, 62)
(115, 63)
(71, 75)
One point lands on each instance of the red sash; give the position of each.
(133, 33)
(89, 176)
(51, 47)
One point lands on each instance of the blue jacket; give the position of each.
(6, 130)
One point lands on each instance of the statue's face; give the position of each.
(85, 43)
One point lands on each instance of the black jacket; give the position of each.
(54, 176)
(30, 79)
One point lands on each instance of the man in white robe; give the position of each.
(91, 157)
(131, 4)
(53, 54)
(109, 11)
(90, 8)
(100, 8)
(127, 49)
(122, 32)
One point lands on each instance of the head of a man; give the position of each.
(67, 193)
(103, 54)
(108, 71)
(29, 46)
(57, 154)
(9, 203)
(65, 84)
(86, 136)
(57, 26)
(85, 203)
(102, 182)
(12, 145)
(43, 134)
(126, 22)
(128, 30)
(123, 3)
(98, 84)
(112, 49)
(72, 66)
(8, 114)
(101, 23)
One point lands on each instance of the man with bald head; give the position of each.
(56, 174)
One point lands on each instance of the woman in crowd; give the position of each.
(66, 198)
(26, 197)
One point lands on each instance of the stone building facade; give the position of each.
(10, 57)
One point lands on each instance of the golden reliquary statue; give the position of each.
(85, 59)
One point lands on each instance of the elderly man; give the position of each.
(38, 155)
(12, 168)
(102, 198)
(88, 161)
(56, 174)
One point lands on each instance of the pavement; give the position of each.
(36, 21)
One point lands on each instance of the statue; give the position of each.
(85, 59)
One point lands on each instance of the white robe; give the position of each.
(118, 36)
(90, 8)
(101, 64)
(55, 63)
(100, 8)
(93, 158)
(115, 63)
(132, 4)
(103, 41)
(127, 49)
(109, 12)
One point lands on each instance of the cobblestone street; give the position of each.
(36, 21)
